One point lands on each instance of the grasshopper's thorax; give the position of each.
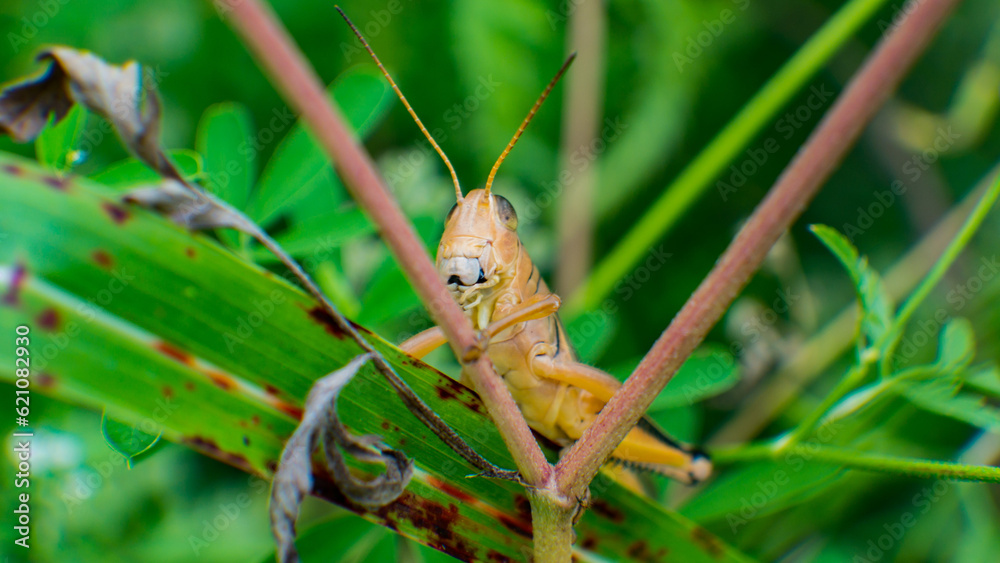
(477, 257)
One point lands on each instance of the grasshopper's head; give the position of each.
(479, 244)
(479, 247)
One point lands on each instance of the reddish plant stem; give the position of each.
(797, 185)
(296, 80)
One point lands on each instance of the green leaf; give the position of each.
(347, 538)
(683, 423)
(985, 380)
(760, 488)
(591, 334)
(958, 345)
(223, 139)
(335, 285)
(56, 145)
(344, 537)
(944, 398)
(224, 353)
(319, 235)
(127, 439)
(709, 371)
(130, 172)
(982, 519)
(877, 314)
(299, 177)
(389, 295)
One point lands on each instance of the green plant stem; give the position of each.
(909, 307)
(854, 459)
(696, 176)
(814, 163)
(555, 519)
(852, 379)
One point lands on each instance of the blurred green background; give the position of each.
(472, 69)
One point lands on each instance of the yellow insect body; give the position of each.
(489, 273)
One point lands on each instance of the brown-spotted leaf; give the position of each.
(115, 92)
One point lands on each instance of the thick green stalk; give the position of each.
(552, 523)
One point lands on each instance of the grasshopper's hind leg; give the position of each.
(640, 449)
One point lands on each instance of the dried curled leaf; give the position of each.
(320, 424)
(195, 210)
(116, 93)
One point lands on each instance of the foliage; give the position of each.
(767, 501)
(217, 354)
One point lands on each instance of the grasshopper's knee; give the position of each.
(476, 350)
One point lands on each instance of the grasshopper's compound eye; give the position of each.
(450, 213)
(506, 213)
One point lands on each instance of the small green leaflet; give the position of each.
(876, 306)
(784, 483)
(958, 345)
(131, 172)
(319, 234)
(985, 379)
(944, 394)
(334, 284)
(709, 371)
(299, 178)
(57, 143)
(225, 141)
(127, 440)
(942, 397)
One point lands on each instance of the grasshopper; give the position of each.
(489, 273)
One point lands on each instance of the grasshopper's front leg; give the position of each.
(424, 342)
(429, 340)
(536, 307)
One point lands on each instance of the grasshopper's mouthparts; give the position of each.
(462, 271)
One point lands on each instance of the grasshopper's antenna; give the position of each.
(510, 145)
(402, 98)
